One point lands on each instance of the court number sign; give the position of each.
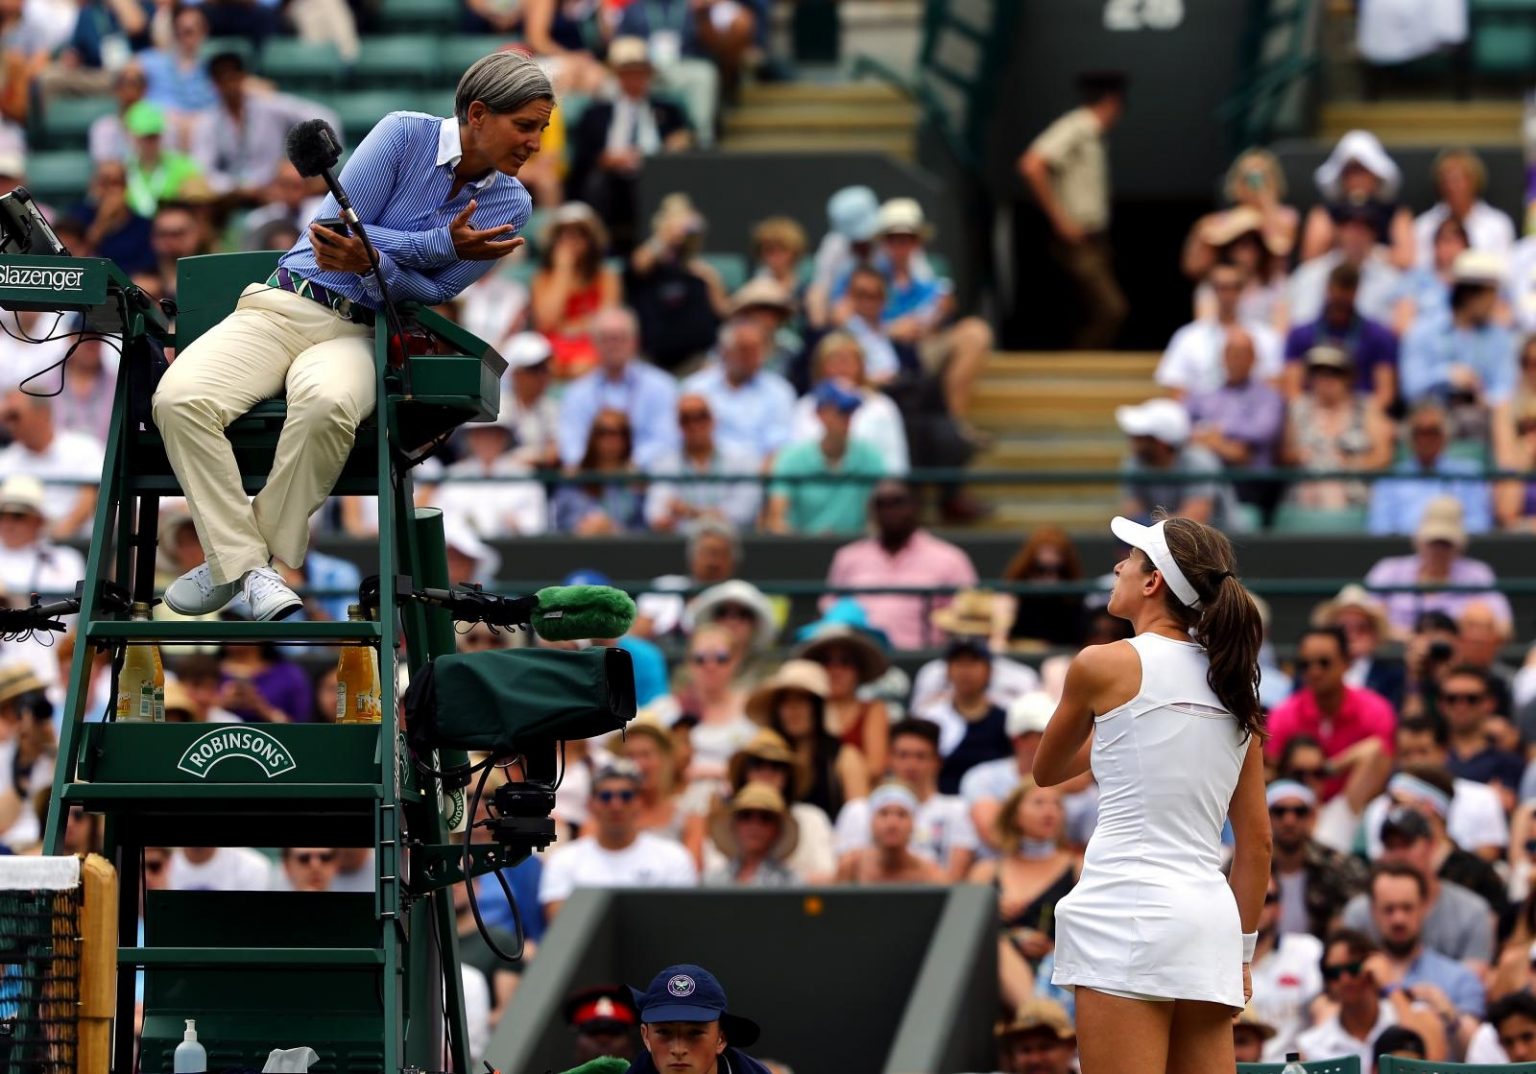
(1143, 14)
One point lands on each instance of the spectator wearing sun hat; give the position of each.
(1365, 625)
(972, 614)
(985, 787)
(791, 705)
(613, 139)
(1159, 433)
(498, 499)
(769, 760)
(757, 834)
(853, 657)
(739, 606)
(853, 214)
(29, 562)
(1250, 1033)
(526, 402)
(1440, 538)
(1038, 1039)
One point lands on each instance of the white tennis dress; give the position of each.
(1152, 914)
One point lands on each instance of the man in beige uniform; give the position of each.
(1066, 168)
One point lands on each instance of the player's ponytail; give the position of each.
(1227, 622)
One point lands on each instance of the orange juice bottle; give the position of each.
(141, 683)
(357, 679)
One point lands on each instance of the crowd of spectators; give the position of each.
(1400, 793)
(1361, 339)
(1349, 340)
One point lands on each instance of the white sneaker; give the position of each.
(268, 595)
(196, 593)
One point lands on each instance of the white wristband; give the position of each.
(1250, 942)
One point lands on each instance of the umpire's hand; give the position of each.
(473, 244)
(339, 253)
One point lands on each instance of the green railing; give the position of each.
(1277, 59)
(963, 51)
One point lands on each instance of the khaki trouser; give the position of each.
(273, 342)
(1090, 266)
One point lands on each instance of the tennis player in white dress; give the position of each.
(1155, 941)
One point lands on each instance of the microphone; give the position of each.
(314, 150)
(555, 613)
(574, 612)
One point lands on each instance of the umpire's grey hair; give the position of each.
(505, 81)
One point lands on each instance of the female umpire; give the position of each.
(439, 199)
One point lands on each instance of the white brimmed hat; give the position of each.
(1154, 543)
(1161, 419)
(22, 491)
(1365, 149)
(1478, 267)
(1029, 714)
(903, 216)
(759, 797)
(629, 52)
(705, 608)
(1442, 520)
(528, 349)
(459, 536)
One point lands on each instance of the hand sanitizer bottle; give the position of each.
(190, 1057)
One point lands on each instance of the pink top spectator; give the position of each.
(924, 560)
(1363, 714)
(1404, 608)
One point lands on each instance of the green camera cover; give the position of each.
(502, 700)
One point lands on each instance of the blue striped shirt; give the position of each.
(398, 180)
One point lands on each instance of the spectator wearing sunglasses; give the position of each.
(1313, 882)
(1286, 978)
(618, 854)
(717, 697)
(1350, 963)
(1353, 724)
(309, 868)
(1467, 703)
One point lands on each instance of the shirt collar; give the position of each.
(450, 150)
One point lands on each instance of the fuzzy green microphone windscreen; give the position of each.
(575, 612)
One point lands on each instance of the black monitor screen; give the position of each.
(24, 229)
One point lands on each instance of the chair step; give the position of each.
(192, 631)
(254, 957)
(153, 795)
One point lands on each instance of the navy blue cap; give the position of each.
(690, 993)
(831, 393)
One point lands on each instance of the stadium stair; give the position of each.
(1056, 411)
(1426, 123)
(801, 117)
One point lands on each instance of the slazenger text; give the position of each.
(41, 279)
